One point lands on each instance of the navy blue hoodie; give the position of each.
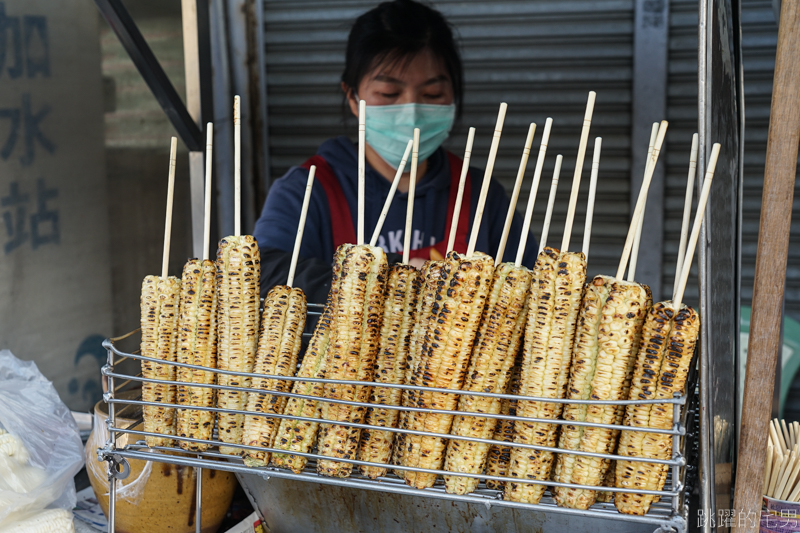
(276, 229)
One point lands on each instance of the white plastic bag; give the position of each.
(31, 409)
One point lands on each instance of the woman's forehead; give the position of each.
(423, 68)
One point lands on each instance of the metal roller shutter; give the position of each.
(682, 117)
(541, 57)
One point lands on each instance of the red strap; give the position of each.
(341, 219)
(462, 230)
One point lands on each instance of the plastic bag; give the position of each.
(33, 412)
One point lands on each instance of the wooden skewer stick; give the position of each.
(550, 201)
(237, 166)
(687, 212)
(537, 174)
(638, 239)
(775, 436)
(412, 185)
(783, 478)
(587, 228)
(776, 472)
(393, 189)
(207, 209)
(451, 239)
(362, 165)
(792, 479)
(487, 178)
(795, 495)
(173, 151)
(512, 206)
(786, 435)
(698, 220)
(637, 212)
(768, 470)
(301, 225)
(576, 177)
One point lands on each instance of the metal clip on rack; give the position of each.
(668, 515)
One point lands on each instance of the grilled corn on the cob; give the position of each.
(197, 346)
(429, 277)
(493, 354)
(462, 289)
(160, 312)
(499, 456)
(662, 365)
(279, 343)
(400, 309)
(296, 435)
(238, 274)
(610, 324)
(553, 305)
(356, 327)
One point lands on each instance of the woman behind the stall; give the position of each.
(403, 61)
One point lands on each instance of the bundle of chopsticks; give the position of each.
(783, 461)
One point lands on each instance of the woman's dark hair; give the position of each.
(398, 31)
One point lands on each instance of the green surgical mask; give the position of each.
(389, 127)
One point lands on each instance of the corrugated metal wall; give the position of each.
(682, 117)
(541, 57)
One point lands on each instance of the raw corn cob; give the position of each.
(400, 309)
(355, 329)
(238, 275)
(462, 289)
(279, 343)
(662, 365)
(429, 276)
(160, 304)
(499, 456)
(197, 346)
(610, 324)
(493, 354)
(554, 303)
(295, 435)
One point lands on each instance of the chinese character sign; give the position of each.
(55, 287)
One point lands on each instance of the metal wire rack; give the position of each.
(669, 514)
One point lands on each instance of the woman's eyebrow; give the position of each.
(387, 79)
(438, 79)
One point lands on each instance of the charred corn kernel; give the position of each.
(429, 277)
(610, 323)
(399, 314)
(461, 295)
(356, 329)
(279, 343)
(160, 312)
(238, 274)
(493, 354)
(662, 365)
(499, 456)
(553, 305)
(609, 480)
(197, 345)
(295, 435)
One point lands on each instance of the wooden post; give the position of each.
(770, 277)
